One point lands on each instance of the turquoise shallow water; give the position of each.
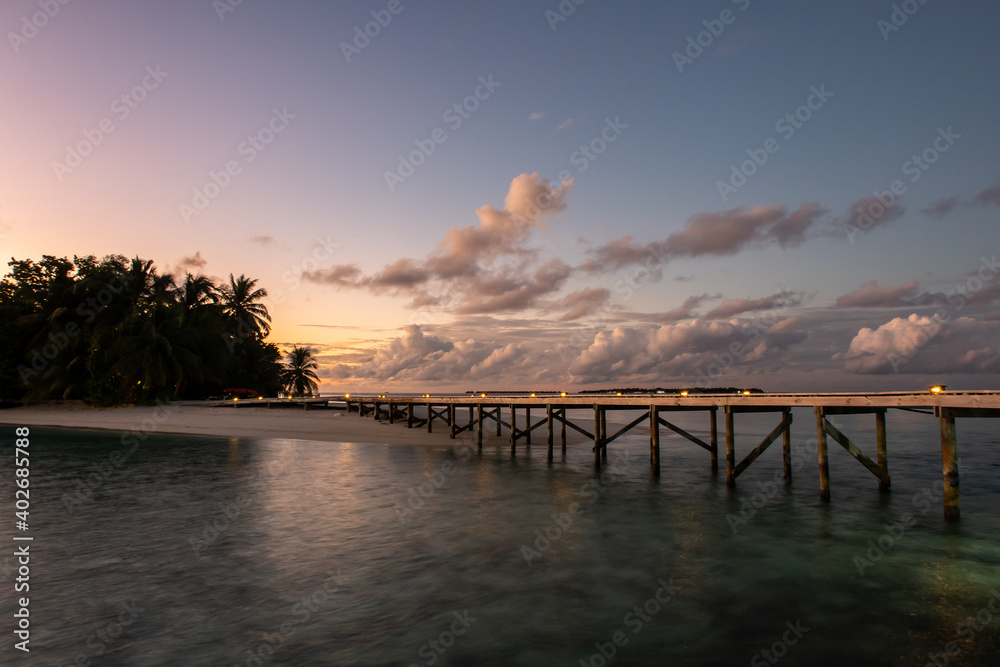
(214, 551)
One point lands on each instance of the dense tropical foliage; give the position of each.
(115, 330)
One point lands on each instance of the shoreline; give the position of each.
(326, 425)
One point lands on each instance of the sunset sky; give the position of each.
(513, 195)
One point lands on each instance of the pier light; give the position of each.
(562, 393)
(746, 392)
(483, 395)
(236, 398)
(532, 395)
(684, 393)
(260, 398)
(937, 389)
(618, 394)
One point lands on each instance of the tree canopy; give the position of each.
(115, 330)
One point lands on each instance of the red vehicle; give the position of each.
(239, 393)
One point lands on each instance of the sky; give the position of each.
(451, 196)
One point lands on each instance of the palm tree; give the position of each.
(299, 376)
(244, 314)
(196, 291)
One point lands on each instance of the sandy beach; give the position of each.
(322, 425)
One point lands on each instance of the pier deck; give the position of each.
(654, 410)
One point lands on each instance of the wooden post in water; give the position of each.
(375, 412)
(824, 455)
(563, 422)
(730, 448)
(409, 415)
(479, 425)
(430, 417)
(499, 415)
(451, 420)
(513, 429)
(392, 413)
(549, 439)
(597, 436)
(713, 439)
(654, 439)
(527, 425)
(949, 459)
(604, 434)
(880, 443)
(786, 446)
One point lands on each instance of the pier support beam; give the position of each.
(949, 460)
(604, 434)
(654, 439)
(786, 447)
(479, 426)
(513, 429)
(549, 439)
(597, 436)
(430, 417)
(451, 420)
(713, 439)
(409, 415)
(880, 444)
(824, 455)
(730, 449)
(527, 423)
(563, 422)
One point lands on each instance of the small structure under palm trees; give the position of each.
(299, 375)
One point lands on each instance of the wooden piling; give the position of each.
(730, 448)
(824, 460)
(880, 443)
(527, 425)
(786, 447)
(604, 434)
(597, 436)
(549, 439)
(479, 426)
(654, 439)
(513, 429)
(713, 432)
(563, 422)
(949, 459)
(430, 417)
(451, 420)
(498, 414)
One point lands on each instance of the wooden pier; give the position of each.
(656, 410)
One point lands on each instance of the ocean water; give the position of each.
(179, 550)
